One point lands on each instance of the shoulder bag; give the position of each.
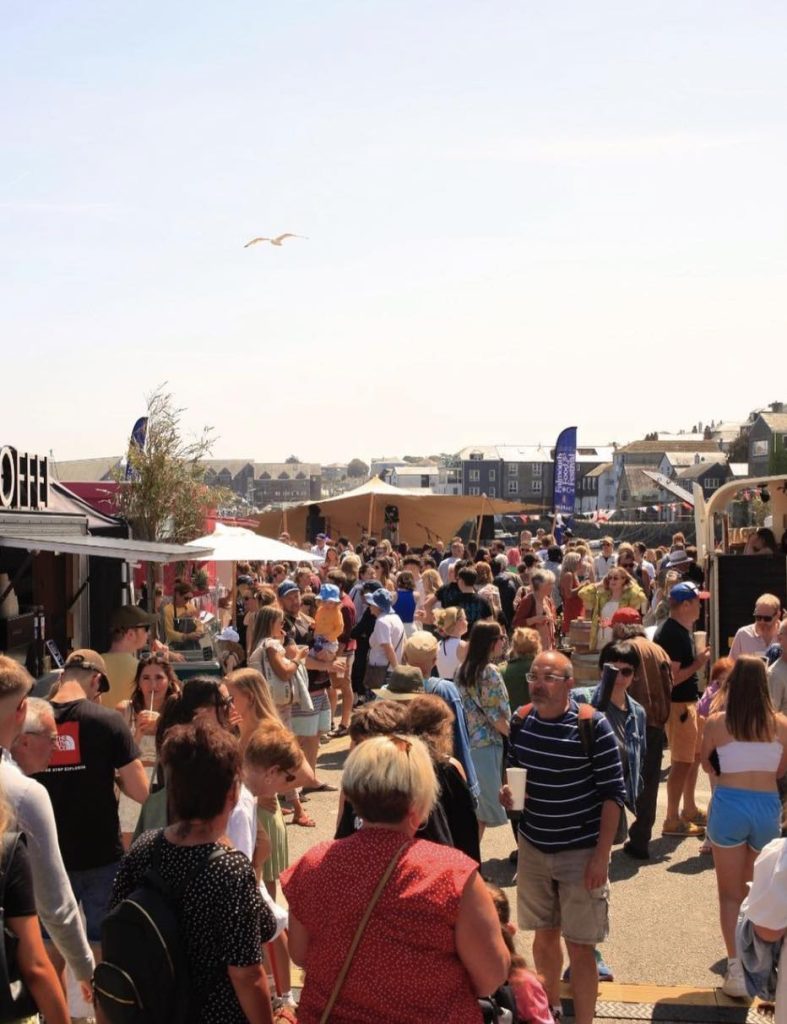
(281, 689)
(326, 1013)
(16, 1002)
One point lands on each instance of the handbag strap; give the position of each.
(359, 934)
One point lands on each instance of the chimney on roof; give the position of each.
(777, 406)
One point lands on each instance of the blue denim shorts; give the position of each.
(739, 816)
(92, 889)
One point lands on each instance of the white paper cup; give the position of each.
(700, 641)
(516, 778)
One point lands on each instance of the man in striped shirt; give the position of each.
(573, 799)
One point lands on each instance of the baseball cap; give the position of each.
(89, 661)
(286, 587)
(330, 592)
(628, 616)
(687, 592)
(129, 616)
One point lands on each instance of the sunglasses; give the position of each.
(288, 776)
(764, 618)
(626, 671)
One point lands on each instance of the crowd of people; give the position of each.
(443, 668)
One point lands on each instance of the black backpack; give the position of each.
(143, 977)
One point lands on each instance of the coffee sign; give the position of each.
(24, 480)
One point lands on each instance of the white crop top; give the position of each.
(741, 756)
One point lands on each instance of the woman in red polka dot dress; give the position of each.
(433, 942)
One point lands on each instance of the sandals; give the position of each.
(305, 821)
(323, 787)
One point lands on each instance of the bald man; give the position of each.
(573, 797)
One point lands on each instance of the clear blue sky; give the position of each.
(520, 215)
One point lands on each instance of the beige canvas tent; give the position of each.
(423, 518)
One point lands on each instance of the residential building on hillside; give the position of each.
(647, 494)
(709, 475)
(449, 479)
(481, 469)
(414, 477)
(672, 462)
(768, 443)
(524, 473)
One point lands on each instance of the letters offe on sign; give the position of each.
(24, 479)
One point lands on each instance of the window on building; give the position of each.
(513, 486)
(476, 456)
(492, 492)
(784, 440)
(474, 490)
(536, 486)
(474, 474)
(513, 468)
(712, 483)
(492, 474)
(759, 449)
(536, 469)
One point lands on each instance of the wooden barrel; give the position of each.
(585, 668)
(579, 632)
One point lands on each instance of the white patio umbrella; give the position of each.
(237, 544)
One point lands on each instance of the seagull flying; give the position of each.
(274, 241)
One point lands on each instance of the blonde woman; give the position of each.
(618, 589)
(391, 784)
(486, 588)
(431, 584)
(570, 584)
(254, 704)
(537, 610)
(451, 627)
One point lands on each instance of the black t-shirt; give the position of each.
(474, 607)
(678, 642)
(19, 900)
(93, 743)
(447, 594)
(224, 918)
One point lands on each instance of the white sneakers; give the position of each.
(734, 982)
